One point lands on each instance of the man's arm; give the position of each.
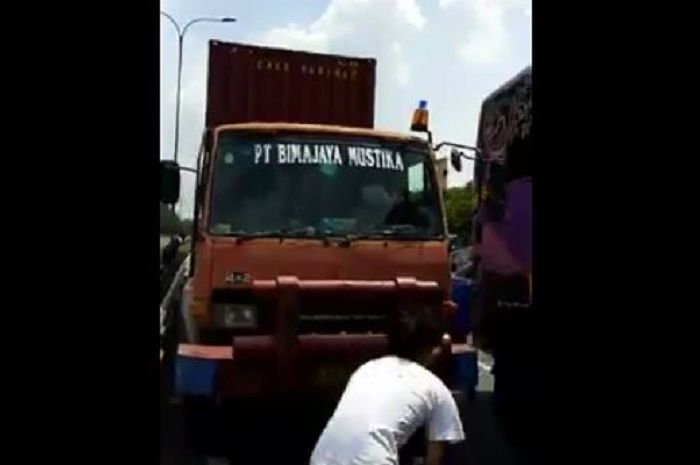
(444, 425)
(436, 450)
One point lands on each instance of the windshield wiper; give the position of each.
(308, 231)
(407, 231)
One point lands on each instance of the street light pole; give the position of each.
(178, 97)
(180, 38)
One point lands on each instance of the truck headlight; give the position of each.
(235, 315)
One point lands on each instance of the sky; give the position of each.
(452, 53)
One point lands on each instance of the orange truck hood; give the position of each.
(265, 259)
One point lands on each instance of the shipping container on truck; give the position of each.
(248, 83)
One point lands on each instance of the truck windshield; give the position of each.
(277, 185)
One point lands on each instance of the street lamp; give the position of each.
(180, 35)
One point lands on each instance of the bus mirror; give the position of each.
(169, 182)
(456, 159)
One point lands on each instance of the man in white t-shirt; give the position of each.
(388, 399)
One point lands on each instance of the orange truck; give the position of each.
(311, 226)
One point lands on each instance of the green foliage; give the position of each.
(459, 207)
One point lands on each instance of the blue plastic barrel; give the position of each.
(460, 294)
(467, 372)
(194, 376)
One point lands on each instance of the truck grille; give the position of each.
(335, 314)
(319, 313)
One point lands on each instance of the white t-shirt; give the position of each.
(384, 403)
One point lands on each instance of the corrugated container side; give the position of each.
(248, 83)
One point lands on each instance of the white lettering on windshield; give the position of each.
(327, 154)
(399, 163)
(261, 149)
(375, 158)
(307, 156)
(258, 152)
(295, 150)
(321, 154)
(336, 154)
(281, 153)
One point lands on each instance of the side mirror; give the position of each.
(169, 182)
(456, 159)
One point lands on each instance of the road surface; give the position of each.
(289, 440)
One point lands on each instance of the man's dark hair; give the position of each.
(414, 330)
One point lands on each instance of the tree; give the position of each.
(459, 207)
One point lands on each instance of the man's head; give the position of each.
(416, 334)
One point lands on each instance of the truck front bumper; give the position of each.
(288, 360)
(250, 367)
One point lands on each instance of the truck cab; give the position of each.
(306, 239)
